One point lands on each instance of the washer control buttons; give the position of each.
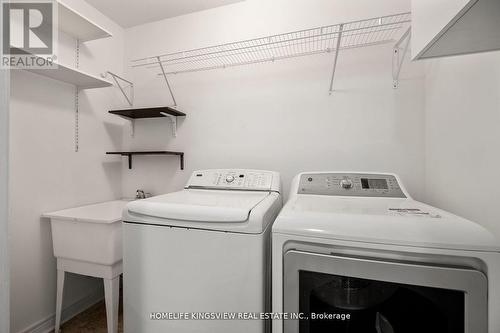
(230, 178)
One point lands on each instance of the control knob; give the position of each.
(346, 184)
(230, 179)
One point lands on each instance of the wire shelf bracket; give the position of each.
(398, 57)
(128, 97)
(128, 85)
(173, 119)
(321, 40)
(164, 74)
(337, 49)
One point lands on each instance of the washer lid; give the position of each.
(200, 205)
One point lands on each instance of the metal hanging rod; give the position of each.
(326, 39)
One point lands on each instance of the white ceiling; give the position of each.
(129, 13)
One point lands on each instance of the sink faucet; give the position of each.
(140, 194)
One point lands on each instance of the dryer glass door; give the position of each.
(354, 295)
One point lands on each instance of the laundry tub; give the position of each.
(87, 240)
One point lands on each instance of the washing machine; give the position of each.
(354, 253)
(198, 260)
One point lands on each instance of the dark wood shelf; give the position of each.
(129, 154)
(154, 112)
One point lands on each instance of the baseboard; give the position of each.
(47, 325)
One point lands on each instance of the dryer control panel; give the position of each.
(251, 180)
(350, 184)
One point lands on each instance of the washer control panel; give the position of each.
(232, 179)
(350, 184)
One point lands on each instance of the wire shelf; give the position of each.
(324, 39)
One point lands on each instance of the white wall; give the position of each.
(4, 211)
(277, 116)
(47, 175)
(438, 132)
(462, 138)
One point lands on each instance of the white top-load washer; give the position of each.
(198, 260)
(353, 252)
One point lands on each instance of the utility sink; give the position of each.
(87, 240)
(90, 233)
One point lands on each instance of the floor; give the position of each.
(93, 320)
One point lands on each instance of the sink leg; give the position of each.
(112, 296)
(59, 298)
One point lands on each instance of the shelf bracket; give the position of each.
(173, 119)
(130, 85)
(164, 74)
(132, 124)
(398, 56)
(337, 49)
(130, 155)
(129, 161)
